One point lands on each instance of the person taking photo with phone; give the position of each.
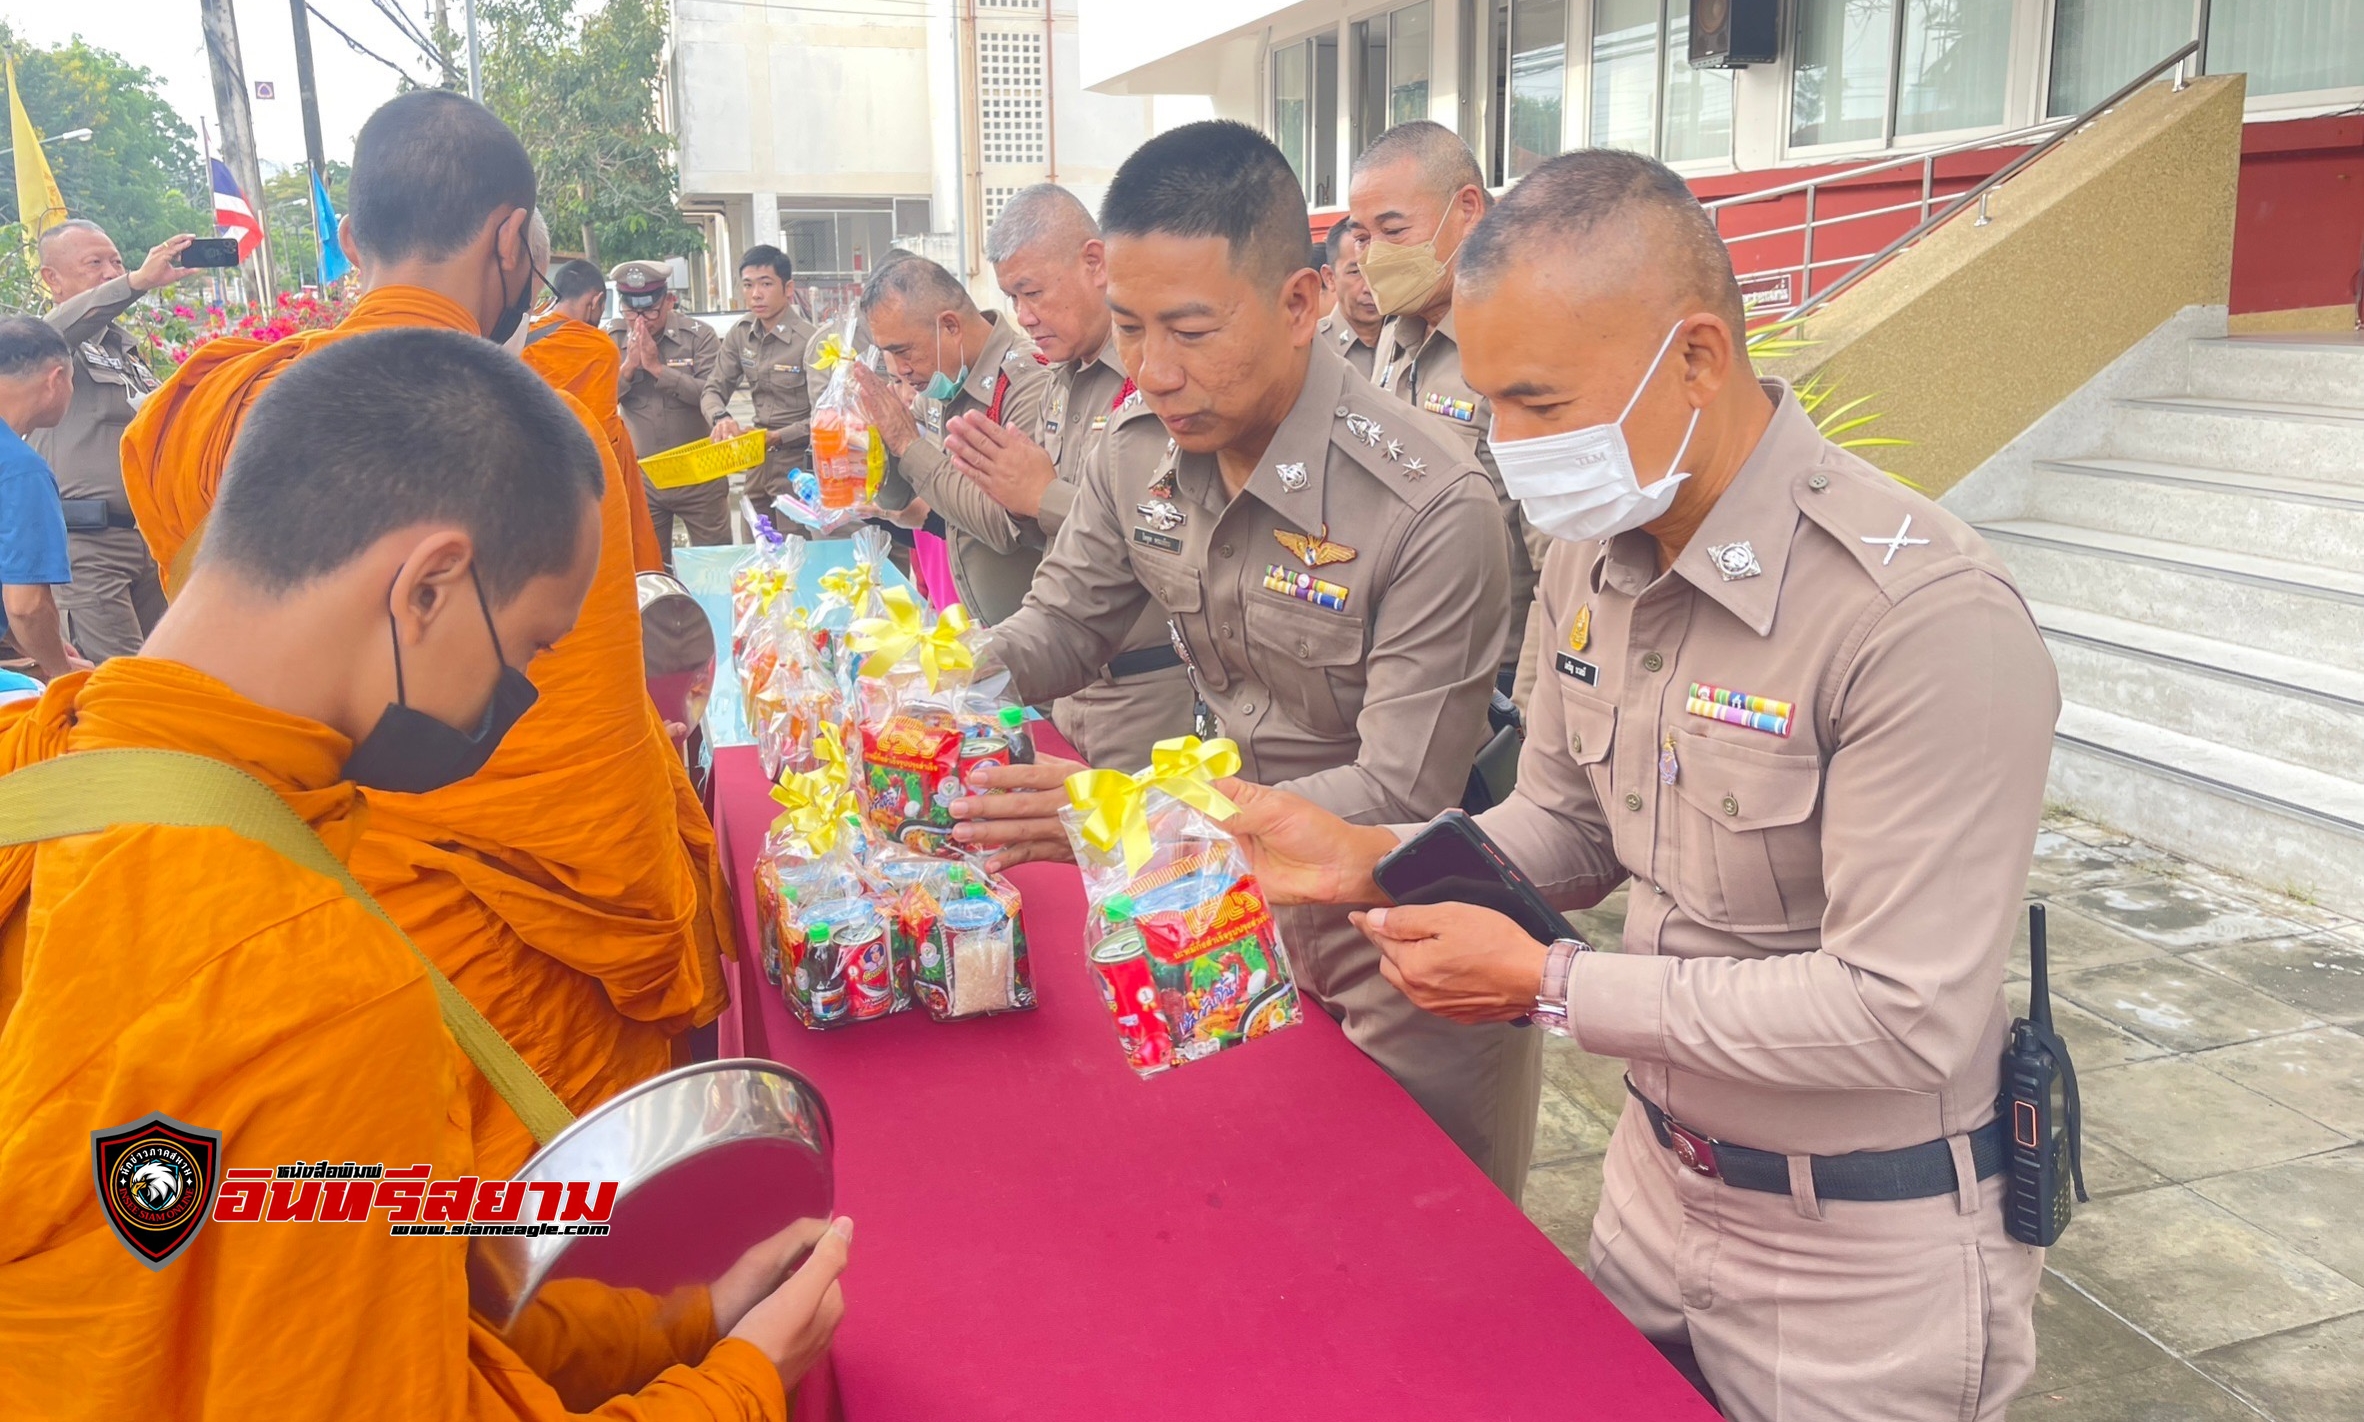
(1805, 712)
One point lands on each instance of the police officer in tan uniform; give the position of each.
(668, 358)
(1324, 555)
(1047, 255)
(1803, 710)
(767, 352)
(958, 361)
(1417, 192)
(1354, 325)
(115, 597)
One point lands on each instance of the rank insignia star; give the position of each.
(1317, 551)
(1734, 560)
(1395, 450)
(1414, 467)
(1366, 429)
(1161, 515)
(1292, 476)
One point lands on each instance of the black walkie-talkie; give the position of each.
(2040, 1104)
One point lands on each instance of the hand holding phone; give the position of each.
(1453, 861)
(210, 252)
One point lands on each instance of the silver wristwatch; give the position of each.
(1551, 1003)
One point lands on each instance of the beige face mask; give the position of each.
(1403, 276)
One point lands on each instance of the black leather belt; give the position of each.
(1143, 661)
(1912, 1173)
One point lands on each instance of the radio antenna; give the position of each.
(2039, 989)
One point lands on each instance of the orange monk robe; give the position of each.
(583, 361)
(552, 887)
(199, 974)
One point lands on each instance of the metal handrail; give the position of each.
(1933, 220)
(1967, 145)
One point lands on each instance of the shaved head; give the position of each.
(1215, 178)
(1044, 214)
(1625, 220)
(1445, 162)
(55, 239)
(920, 287)
(430, 168)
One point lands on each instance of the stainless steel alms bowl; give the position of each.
(708, 1160)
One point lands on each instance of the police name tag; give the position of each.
(1584, 672)
(1157, 540)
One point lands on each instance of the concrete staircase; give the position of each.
(2200, 578)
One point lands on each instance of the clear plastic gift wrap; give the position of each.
(1187, 957)
(922, 732)
(851, 594)
(847, 461)
(956, 933)
(823, 944)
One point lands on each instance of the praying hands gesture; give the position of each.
(889, 414)
(1012, 469)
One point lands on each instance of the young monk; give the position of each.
(565, 346)
(554, 888)
(409, 520)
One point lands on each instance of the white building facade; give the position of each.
(1522, 80)
(840, 129)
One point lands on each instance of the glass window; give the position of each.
(1538, 82)
(1645, 94)
(2287, 46)
(2097, 45)
(1367, 47)
(1625, 73)
(811, 239)
(1870, 70)
(1291, 97)
(1953, 58)
(1408, 53)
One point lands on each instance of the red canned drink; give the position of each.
(862, 947)
(1121, 961)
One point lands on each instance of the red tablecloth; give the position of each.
(1274, 1233)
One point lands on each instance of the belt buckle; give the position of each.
(1695, 1151)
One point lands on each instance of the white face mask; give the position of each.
(1580, 484)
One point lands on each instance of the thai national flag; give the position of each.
(233, 215)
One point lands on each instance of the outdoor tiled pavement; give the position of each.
(2219, 1271)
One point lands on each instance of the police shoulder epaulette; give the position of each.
(1388, 438)
(1894, 534)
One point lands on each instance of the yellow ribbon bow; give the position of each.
(833, 350)
(852, 584)
(887, 640)
(1115, 805)
(817, 803)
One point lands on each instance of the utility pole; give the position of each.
(475, 59)
(237, 120)
(304, 91)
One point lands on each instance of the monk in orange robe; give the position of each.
(565, 346)
(351, 591)
(570, 889)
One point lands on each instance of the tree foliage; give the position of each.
(583, 95)
(287, 207)
(139, 175)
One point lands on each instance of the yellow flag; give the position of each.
(39, 205)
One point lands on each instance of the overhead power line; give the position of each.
(357, 46)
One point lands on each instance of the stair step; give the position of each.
(2319, 368)
(2287, 708)
(2299, 520)
(2297, 609)
(2285, 826)
(2321, 442)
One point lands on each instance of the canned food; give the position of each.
(861, 943)
(1121, 962)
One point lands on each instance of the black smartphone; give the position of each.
(1452, 861)
(209, 252)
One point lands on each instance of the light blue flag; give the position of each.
(324, 230)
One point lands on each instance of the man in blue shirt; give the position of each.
(36, 387)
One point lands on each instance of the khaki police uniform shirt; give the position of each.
(1359, 353)
(666, 410)
(1078, 407)
(770, 363)
(86, 448)
(993, 551)
(1421, 365)
(1371, 705)
(1816, 936)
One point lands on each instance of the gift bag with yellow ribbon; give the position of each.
(851, 593)
(957, 929)
(922, 734)
(843, 450)
(823, 940)
(1188, 958)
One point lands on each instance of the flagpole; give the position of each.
(205, 137)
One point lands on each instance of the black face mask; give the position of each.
(410, 752)
(506, 326)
